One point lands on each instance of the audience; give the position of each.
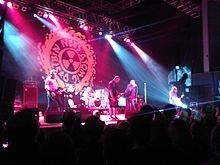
(150, 136)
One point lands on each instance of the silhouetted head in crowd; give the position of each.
(70, 120)
(215, 139)
(23, 127)
(93, 128)
(147, 110)
(179, 132)
(169, 112)
(115, 147)
(2, 132)
(140, 128)
(58, 149)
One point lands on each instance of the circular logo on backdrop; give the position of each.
(71, 55)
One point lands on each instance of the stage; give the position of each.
(103, 117)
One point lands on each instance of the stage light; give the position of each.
(51, 16)
(45, 15)
(15, 6)
(24, 8)
(9, 4)
(100, 33)
(108, 36)
(40, 13)
(132, 44)
(177, 67)
(2, 2)
(81, 26)
(67, 22)
(85, 28)
(128, 40)
(62, 20)
(35, 15)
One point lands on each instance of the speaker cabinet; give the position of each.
(30, 96)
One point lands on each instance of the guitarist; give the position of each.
(174, 99)
(113, 96)
(131, 97)
(53, 91)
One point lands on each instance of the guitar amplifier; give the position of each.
(30, 96)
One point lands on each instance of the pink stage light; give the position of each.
(81, 26)
(100, 33)
(15, 6)
(85, 28)
(2, 2)
(45, 15)
(51, 16)
(9, 4)
(128, 40)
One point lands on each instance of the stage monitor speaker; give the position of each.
(30, 96)
(83, 114)
(54, 117)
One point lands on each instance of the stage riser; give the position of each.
(57, 117)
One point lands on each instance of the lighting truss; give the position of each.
(77, 14)
(186, 6)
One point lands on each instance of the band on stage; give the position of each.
(109, 98)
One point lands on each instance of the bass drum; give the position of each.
(97, 102)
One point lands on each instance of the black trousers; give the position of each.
(51, 102)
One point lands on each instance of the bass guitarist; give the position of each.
(54, 92)
(113, 96)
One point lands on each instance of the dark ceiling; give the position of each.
(146, 18)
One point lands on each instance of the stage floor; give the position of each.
(105, 118)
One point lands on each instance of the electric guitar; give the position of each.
(57, 93)
(115, 101)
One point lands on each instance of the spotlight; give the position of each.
(67, 22)
(2, 2)
(35, 15)
(127, 40)
(62, 20)
(9, 4)
(81, 26)
(108, 36)
(15, 6)
(40, 13)
(24, 8)
(85, 28)
(45, 15)
(51, 16)
(132, 44)
(177, 67)
(100, 33)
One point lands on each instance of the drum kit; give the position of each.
(95, 99)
